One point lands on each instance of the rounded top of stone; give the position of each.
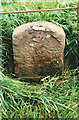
(40, 26)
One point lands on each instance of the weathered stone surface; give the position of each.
(38, 49)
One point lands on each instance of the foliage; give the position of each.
(55, 97)
(6, 2)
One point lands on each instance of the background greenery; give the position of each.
(49, 98)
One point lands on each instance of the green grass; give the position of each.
(49, 98)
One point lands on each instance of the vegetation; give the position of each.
(55, 97)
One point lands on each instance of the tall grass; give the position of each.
(51, 99)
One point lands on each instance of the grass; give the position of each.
(55, 97)
(52, 98)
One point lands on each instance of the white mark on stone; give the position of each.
(38, 28)
(31, 45)
(58, 40)
(48, 36)
(34, 39)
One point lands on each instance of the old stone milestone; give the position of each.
(38, 49)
